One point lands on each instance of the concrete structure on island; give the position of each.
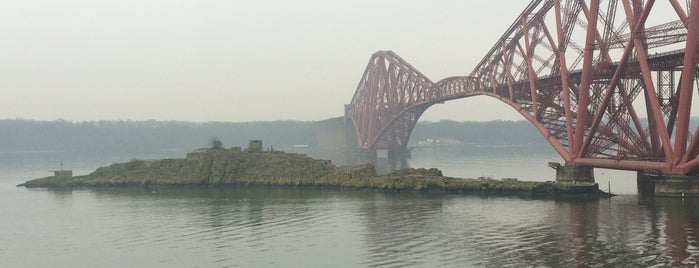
(255, 146)
(62, 174)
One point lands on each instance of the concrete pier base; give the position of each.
(667, 185)
(573, 174)
(368, 156)
(398, 159)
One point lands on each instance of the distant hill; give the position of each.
(138, 137)
(143, 136)
(487, 133)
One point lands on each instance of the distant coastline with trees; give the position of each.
(21, 135)
(137, 137)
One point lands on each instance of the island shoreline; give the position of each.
(237, 168)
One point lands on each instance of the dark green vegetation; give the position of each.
(220, 167)
(143, 137)
(486, 133)
(139, 137)
(148, 137)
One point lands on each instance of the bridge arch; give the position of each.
(401, 122)
(577, 93)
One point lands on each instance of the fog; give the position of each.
(223, 60)
(234, 60)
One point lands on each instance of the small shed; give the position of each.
(255, 146)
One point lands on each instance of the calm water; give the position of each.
(278, 227)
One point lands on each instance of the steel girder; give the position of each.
(390, 98)
(576, 68)
(584, 73)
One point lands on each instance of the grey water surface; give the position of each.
(309, 227)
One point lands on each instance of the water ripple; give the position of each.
(320, 228)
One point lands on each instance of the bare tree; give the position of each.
(216, 143)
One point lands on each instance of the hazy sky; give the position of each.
(233, 60)
(210, 60)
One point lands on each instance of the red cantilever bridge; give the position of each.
(602, 84)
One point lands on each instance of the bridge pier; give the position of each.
(368, 156)
(398, 158)
(573, 174)
(667, 185)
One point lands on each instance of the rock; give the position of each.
(221, 167)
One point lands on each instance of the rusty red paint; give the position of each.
(577, 90)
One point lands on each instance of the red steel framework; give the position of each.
(584, 98)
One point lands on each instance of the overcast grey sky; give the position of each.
(236, 60)
(209, 60)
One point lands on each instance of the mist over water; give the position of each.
(309, 227)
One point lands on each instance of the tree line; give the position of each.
(150, 136)
(143, 136)
(486, 133)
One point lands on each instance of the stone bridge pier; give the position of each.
(667, 185)
(573, 174)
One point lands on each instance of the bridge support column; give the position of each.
(573, 174)
(368, 156)
(398, 158)
(667, 185)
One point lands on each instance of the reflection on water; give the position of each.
(310, 227)
(272, 227)
(676, 221)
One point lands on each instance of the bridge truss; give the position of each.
(603, 87)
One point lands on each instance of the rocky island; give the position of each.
(233, 166)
